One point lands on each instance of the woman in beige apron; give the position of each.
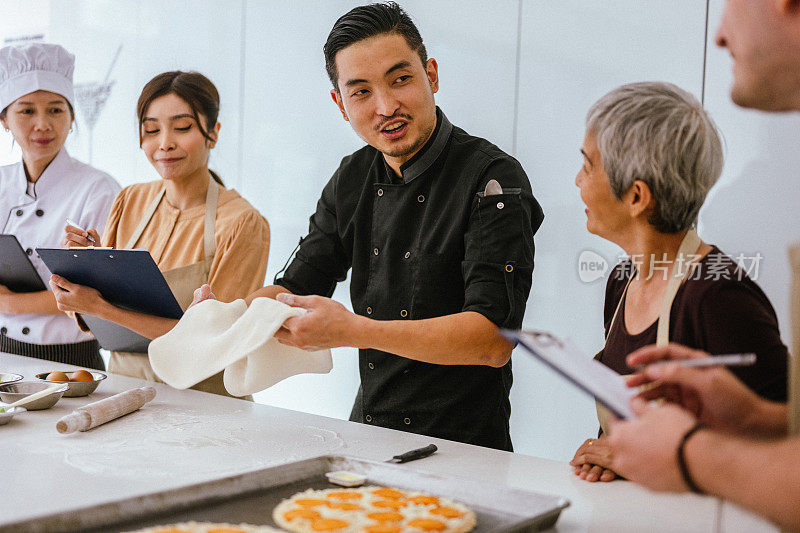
(183, 281)
(178, 128)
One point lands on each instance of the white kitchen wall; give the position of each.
(521, 73)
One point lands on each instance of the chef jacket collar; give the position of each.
(429, 153)
(49, 179)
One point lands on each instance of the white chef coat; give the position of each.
(66, 189)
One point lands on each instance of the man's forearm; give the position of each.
(466, 338)
(761, 476)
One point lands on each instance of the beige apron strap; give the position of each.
(689, 246)
(794, 356)
(148, 214)
(209, 242)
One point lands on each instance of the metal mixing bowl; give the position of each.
(6, 417)
(7, 377)
(77, 388)
(11, 392)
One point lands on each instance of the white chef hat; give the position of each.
(35, 67)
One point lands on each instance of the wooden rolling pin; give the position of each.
(93, 414)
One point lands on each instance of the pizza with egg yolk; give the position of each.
(372, 509)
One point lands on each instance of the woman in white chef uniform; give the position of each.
(40, 192)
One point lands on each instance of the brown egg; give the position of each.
(57, 376)
(81, 375)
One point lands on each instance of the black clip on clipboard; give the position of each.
(126, 278)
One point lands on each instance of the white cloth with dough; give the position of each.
(213, 336)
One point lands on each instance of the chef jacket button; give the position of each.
(405, 371)
(19, 212)
(369, 310)
(407, 255)
(509, 268)
(407, 421)
(403, 313)
(3, 330)
(376, 251)
(29, 251)
(371, 366)
(420, 198)
(368, 418)
(500, 205)
(39, 213)
(380, 192)
(26, 330)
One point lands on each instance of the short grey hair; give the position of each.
(660, 134)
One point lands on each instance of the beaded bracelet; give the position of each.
(681, 455)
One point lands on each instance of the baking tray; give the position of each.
(250, 498)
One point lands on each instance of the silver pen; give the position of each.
(731, 359)
(76, 226)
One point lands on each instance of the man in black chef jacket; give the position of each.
(438, 262)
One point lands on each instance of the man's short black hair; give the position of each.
(368, 21)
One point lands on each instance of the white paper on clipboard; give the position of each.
(593, 377)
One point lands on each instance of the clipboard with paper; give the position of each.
(125, 278)
(589, 375)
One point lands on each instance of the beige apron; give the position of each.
(687, 252)
(794, 356)
(182, 281)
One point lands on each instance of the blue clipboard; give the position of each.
(126, 278)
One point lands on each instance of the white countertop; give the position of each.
(185, 437)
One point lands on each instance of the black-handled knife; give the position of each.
(413, 455)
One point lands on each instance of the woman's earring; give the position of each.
(71, 130)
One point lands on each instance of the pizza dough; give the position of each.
(207, 527)
(372, 509)
(213, 336)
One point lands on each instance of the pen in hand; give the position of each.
(76, 226)
(733, 359)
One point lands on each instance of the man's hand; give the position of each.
(713, 394)
(76, 298)
(202, 293)
(593, 459)
(645, 448)
(327, 324)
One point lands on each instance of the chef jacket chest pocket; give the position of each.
(438, 286)
(500, 228)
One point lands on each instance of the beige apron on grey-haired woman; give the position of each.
(794, 357)
(687, 253)
(182, 281)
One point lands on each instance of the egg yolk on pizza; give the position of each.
(447, 512)
(427, 524)
(387, 516)
(328, 524)
(387, 493)
(345, 495)
(424, 500)
(293, 514)
(389, 504)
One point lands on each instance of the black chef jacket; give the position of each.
(427, 245)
